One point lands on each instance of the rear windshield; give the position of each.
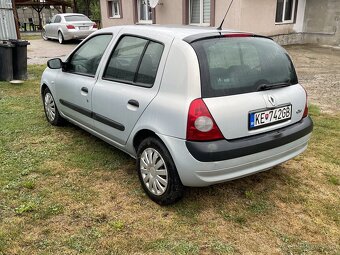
(239, 65)
(76, 18)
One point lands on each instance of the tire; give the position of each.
(43, 35)
(157, 172)
(51, 111)
(61, 38)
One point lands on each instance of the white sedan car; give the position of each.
(68, 26)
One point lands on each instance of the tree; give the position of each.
(90, 8)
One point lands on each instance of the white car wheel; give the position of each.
(60, 38)
(43, 35)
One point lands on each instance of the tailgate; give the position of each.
(232, 113)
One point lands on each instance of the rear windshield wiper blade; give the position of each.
(273, 86)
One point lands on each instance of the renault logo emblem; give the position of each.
(271, 100)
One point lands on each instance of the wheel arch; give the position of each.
(42, 89)
(141, 135)
(60, 30)
(174, 189)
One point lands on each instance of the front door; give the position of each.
(75, 84)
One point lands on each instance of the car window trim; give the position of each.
(137, 84)
(71, 55)
(82, 74)
(140, 60)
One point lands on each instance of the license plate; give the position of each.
(84, 28)
(269, 117)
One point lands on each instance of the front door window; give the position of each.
(86, 59)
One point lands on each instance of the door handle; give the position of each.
(133, 103)
(84, 89)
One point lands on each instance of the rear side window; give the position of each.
(149, 65)
(239, 65)
(134, 61)
(57, 19)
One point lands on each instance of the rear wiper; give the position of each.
(273, 86)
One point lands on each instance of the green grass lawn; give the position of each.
(30, 37)
(63, 191)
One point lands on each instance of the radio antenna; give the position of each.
(220, 27)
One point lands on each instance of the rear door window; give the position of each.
(134, 61)
(232, 66)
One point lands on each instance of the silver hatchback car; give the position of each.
(194, 106)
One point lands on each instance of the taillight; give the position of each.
(70, 27)
(201, 126)
(94, 25)
(305, 112)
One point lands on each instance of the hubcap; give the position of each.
(49, 107)
(154, 172)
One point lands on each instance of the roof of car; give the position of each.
(180, 32)
(71, 14)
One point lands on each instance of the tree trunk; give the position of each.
(38, 10)
(75, 9)
(40, 19)
(87, 7)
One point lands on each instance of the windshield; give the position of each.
(76, 18)
(239, 65)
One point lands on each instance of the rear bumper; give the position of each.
(77, 34)
(224, 149)
(197, 173)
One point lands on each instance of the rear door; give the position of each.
(75, 84)
(249, 85)
(128, 84)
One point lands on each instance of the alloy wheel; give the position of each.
(60, 38)
(43, 34)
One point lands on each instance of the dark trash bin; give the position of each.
(6, 61)
(19, 59)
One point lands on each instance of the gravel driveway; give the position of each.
(39, 51)
(318, 68)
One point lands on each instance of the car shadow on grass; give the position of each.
(239, 201)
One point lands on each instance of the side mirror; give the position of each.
(55, 63)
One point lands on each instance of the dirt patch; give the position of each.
(318, 69)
